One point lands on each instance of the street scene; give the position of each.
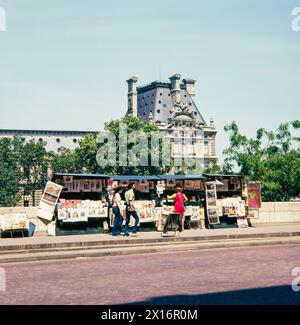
(149, 154)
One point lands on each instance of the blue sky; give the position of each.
(64, 63)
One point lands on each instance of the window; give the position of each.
(190, 104)
(40, 140)
(206, 147)
(165, 105)
(75, 140)
(195, 113)
(184, 95)
(58, 140)
(169, 94)
(26, 203)
(159, 102)
(160, 94)
(158, 111)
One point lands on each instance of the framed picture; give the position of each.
(254, 197)
(98, 185)
(189, 184)
(49, 198)
(86, 185)
(68, 179)
(171, 183)
(198, 185)
(124, 183)
(53, 189)
(151, 185)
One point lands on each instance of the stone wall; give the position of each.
(31, 212)
(278, 212)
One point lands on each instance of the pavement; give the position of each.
(232, 276)
(80, 246)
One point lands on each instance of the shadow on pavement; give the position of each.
(279, 295)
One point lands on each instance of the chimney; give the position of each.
(190, 87)
(132, 96)
(175, 87)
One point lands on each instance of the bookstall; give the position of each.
(145, 195)
(226, 201)
(83, 201)
(193, 188)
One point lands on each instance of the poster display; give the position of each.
(254, 195)
(211, 203)
(48, 202)
(80, 210)
(15, 221)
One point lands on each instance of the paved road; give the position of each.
(248, 275)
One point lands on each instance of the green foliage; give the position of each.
(9, 175)
(272, 157)
(64, 162)
(85, 155)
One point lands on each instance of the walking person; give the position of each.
(117, 210)
(130, 210)
(179, 199)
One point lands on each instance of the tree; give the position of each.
(272, 157)
(9, 176)
(135, 129)
(64, 162)
(33, 163)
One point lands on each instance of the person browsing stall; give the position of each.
(130, 210)
(117, 208)
(179, 199)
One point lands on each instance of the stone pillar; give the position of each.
(132, 96)
(175, 87)
(190, 87)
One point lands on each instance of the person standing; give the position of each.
(130, 210)
(179, 199)
(117, 210)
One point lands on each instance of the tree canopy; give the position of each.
(273, 157)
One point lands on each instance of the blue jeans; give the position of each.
(117, 222)
(135, 216)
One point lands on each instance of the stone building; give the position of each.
(53, 140)
(172, 107)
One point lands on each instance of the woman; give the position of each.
(179, 199)
(117, 208)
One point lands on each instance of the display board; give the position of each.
(14, 221)
(211, 203)
(48, 202)
(80, 210)
(254, 195)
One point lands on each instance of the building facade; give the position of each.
(55, 141)
(172, 107)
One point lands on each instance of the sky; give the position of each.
(64, 63)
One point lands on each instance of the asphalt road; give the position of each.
(249, 275)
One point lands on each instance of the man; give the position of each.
(130, 210)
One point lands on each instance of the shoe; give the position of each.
(126, 235)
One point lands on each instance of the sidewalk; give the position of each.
(38, 248)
